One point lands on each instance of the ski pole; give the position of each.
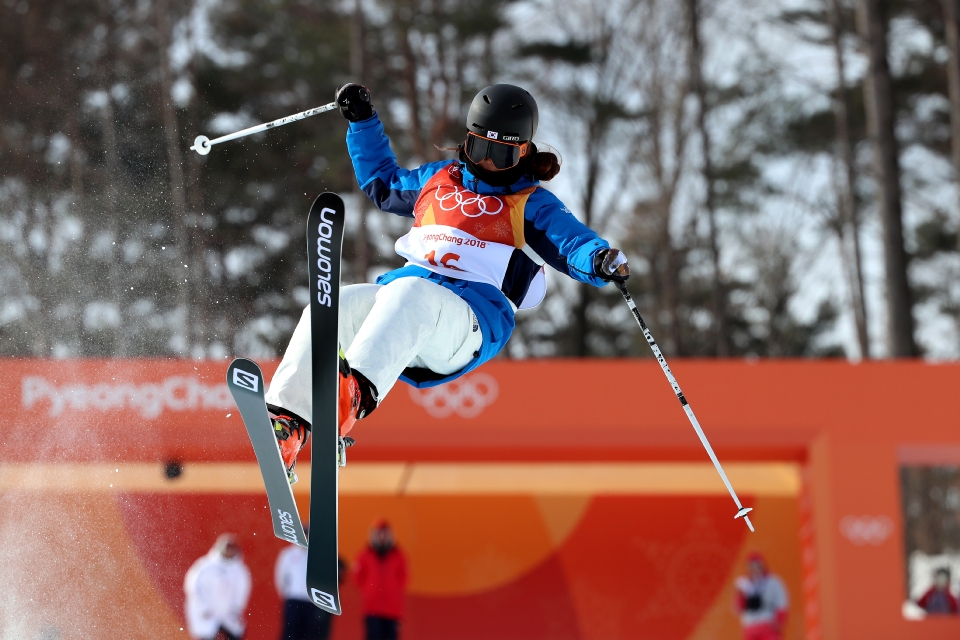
(742, 511)
(203, 144)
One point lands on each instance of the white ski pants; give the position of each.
(410, 322)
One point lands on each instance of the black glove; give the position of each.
(611, 264)
(354, 102)
(753, 603)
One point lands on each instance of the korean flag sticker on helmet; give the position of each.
(493, 135)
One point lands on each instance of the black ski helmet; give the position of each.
(504, 112)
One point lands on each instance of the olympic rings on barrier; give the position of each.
(467, 396)
(861, 530)
(477, 201)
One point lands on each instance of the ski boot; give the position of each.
(292, 432)
(358, 399)
(358, 396)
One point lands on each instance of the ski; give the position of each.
(324, 242)
(245, 381)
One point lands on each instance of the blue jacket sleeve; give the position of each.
(391, 188)
(565, 243)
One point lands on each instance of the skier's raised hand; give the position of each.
(354, 102)
(611, 264)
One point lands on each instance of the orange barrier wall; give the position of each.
(609, 562)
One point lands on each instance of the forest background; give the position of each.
(782, 174)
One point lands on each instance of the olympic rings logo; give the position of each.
(861, 530)
(467, 396)
(479, 204)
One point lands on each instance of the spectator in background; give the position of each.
(302, 620)
(761, 601)
(938, 598)
(218, 588)
(381, 574)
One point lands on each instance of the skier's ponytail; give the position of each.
(544, 165)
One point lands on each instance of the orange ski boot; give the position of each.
(292, 433)
(358, 398)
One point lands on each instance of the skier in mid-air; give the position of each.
(483, 229)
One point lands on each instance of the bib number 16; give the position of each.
(444, 261)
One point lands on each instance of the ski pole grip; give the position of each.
(613, 260)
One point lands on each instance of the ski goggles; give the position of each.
(503, 155)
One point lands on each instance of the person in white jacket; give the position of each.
(761, 601)
(218, 588)
(302, 620)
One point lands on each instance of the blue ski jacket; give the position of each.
(550, 229)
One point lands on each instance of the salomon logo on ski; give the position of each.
(246, 380)
(323, 599)
(286, 523)
(325, 230)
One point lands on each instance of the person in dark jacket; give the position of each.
(381, 573)
(302, 620)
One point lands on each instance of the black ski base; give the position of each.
(324, 243)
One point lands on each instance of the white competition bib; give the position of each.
(461, 234)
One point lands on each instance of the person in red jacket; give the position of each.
(381, 574)
(938, 599)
